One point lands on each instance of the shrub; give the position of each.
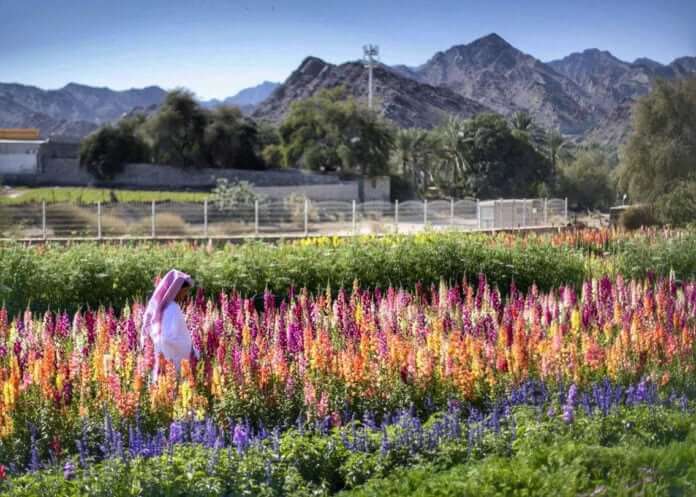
(111, 275)
(105, 151)
(678, 207)
(637, 217)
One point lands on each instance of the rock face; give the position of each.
(496, 74)
(72, 110)
(614, 85)
(405, 101)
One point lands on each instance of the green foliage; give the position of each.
(180, 133)
(176, 131)
(92, 275)
(85, 196)
(678, 208)
(227, 196)
(415, 151)
(632, 451)
(230, 140)
(638, 217)
(107, 150)
(660, 152)
(554, 143)
(586, 181)
(330, 131)
(481, 157)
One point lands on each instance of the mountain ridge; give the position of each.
(405, 101)
(586, 95)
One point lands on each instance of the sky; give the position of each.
(216, 48)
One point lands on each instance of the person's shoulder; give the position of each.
(171, 309)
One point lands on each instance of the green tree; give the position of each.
(414, 154)
(230, 140)
(660, 152)
(522, 125)
(107, 150)
(483, 158)
(678, 207)
(331, 131)
(176, 132)
(586, 181)
(554, 145)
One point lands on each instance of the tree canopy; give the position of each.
(660, 152)
(332, 132)
(180, 133)
(482, 157)
(105, 152)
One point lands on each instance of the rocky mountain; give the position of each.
(493, 72)
(403, 100)
(72, 110)
(614, 85)
(587, 95)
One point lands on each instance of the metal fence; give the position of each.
(277, 218)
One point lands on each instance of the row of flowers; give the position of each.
(326, 357)
(390, 436)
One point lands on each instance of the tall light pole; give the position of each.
(370, 54)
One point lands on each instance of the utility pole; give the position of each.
(370, 54)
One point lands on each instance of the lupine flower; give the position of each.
(68, 470)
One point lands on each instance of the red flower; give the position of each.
(3, 473)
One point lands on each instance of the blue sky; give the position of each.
(216, 48)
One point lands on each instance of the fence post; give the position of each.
(43, 219)
(478, 213)
(524, 212)
(451, 213)
(546, 211)
(153, 219)
(565, 211)
(99, 221)
(396, 216)
(205, 218)
(425, 212)
(306, 216)
(354, 218)
(256, 217)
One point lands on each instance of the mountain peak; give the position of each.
(492, 39)
(647, 62)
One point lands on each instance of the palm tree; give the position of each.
(455, 165)
(413, 154)
(554, 143)
(522, 121)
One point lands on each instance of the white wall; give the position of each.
(19, 157)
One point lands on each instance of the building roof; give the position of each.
(25, 142)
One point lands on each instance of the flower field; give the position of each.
(374, 389)
(366, 367)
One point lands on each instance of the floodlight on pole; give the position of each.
(370, 55)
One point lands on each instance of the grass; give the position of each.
(93, 195)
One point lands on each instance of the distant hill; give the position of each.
(246, 99)
(73, 110)
(405, 101)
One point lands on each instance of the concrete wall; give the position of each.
(19, 158)
(273, 183)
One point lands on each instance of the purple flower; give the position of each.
(69, 470)
(240, 438)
